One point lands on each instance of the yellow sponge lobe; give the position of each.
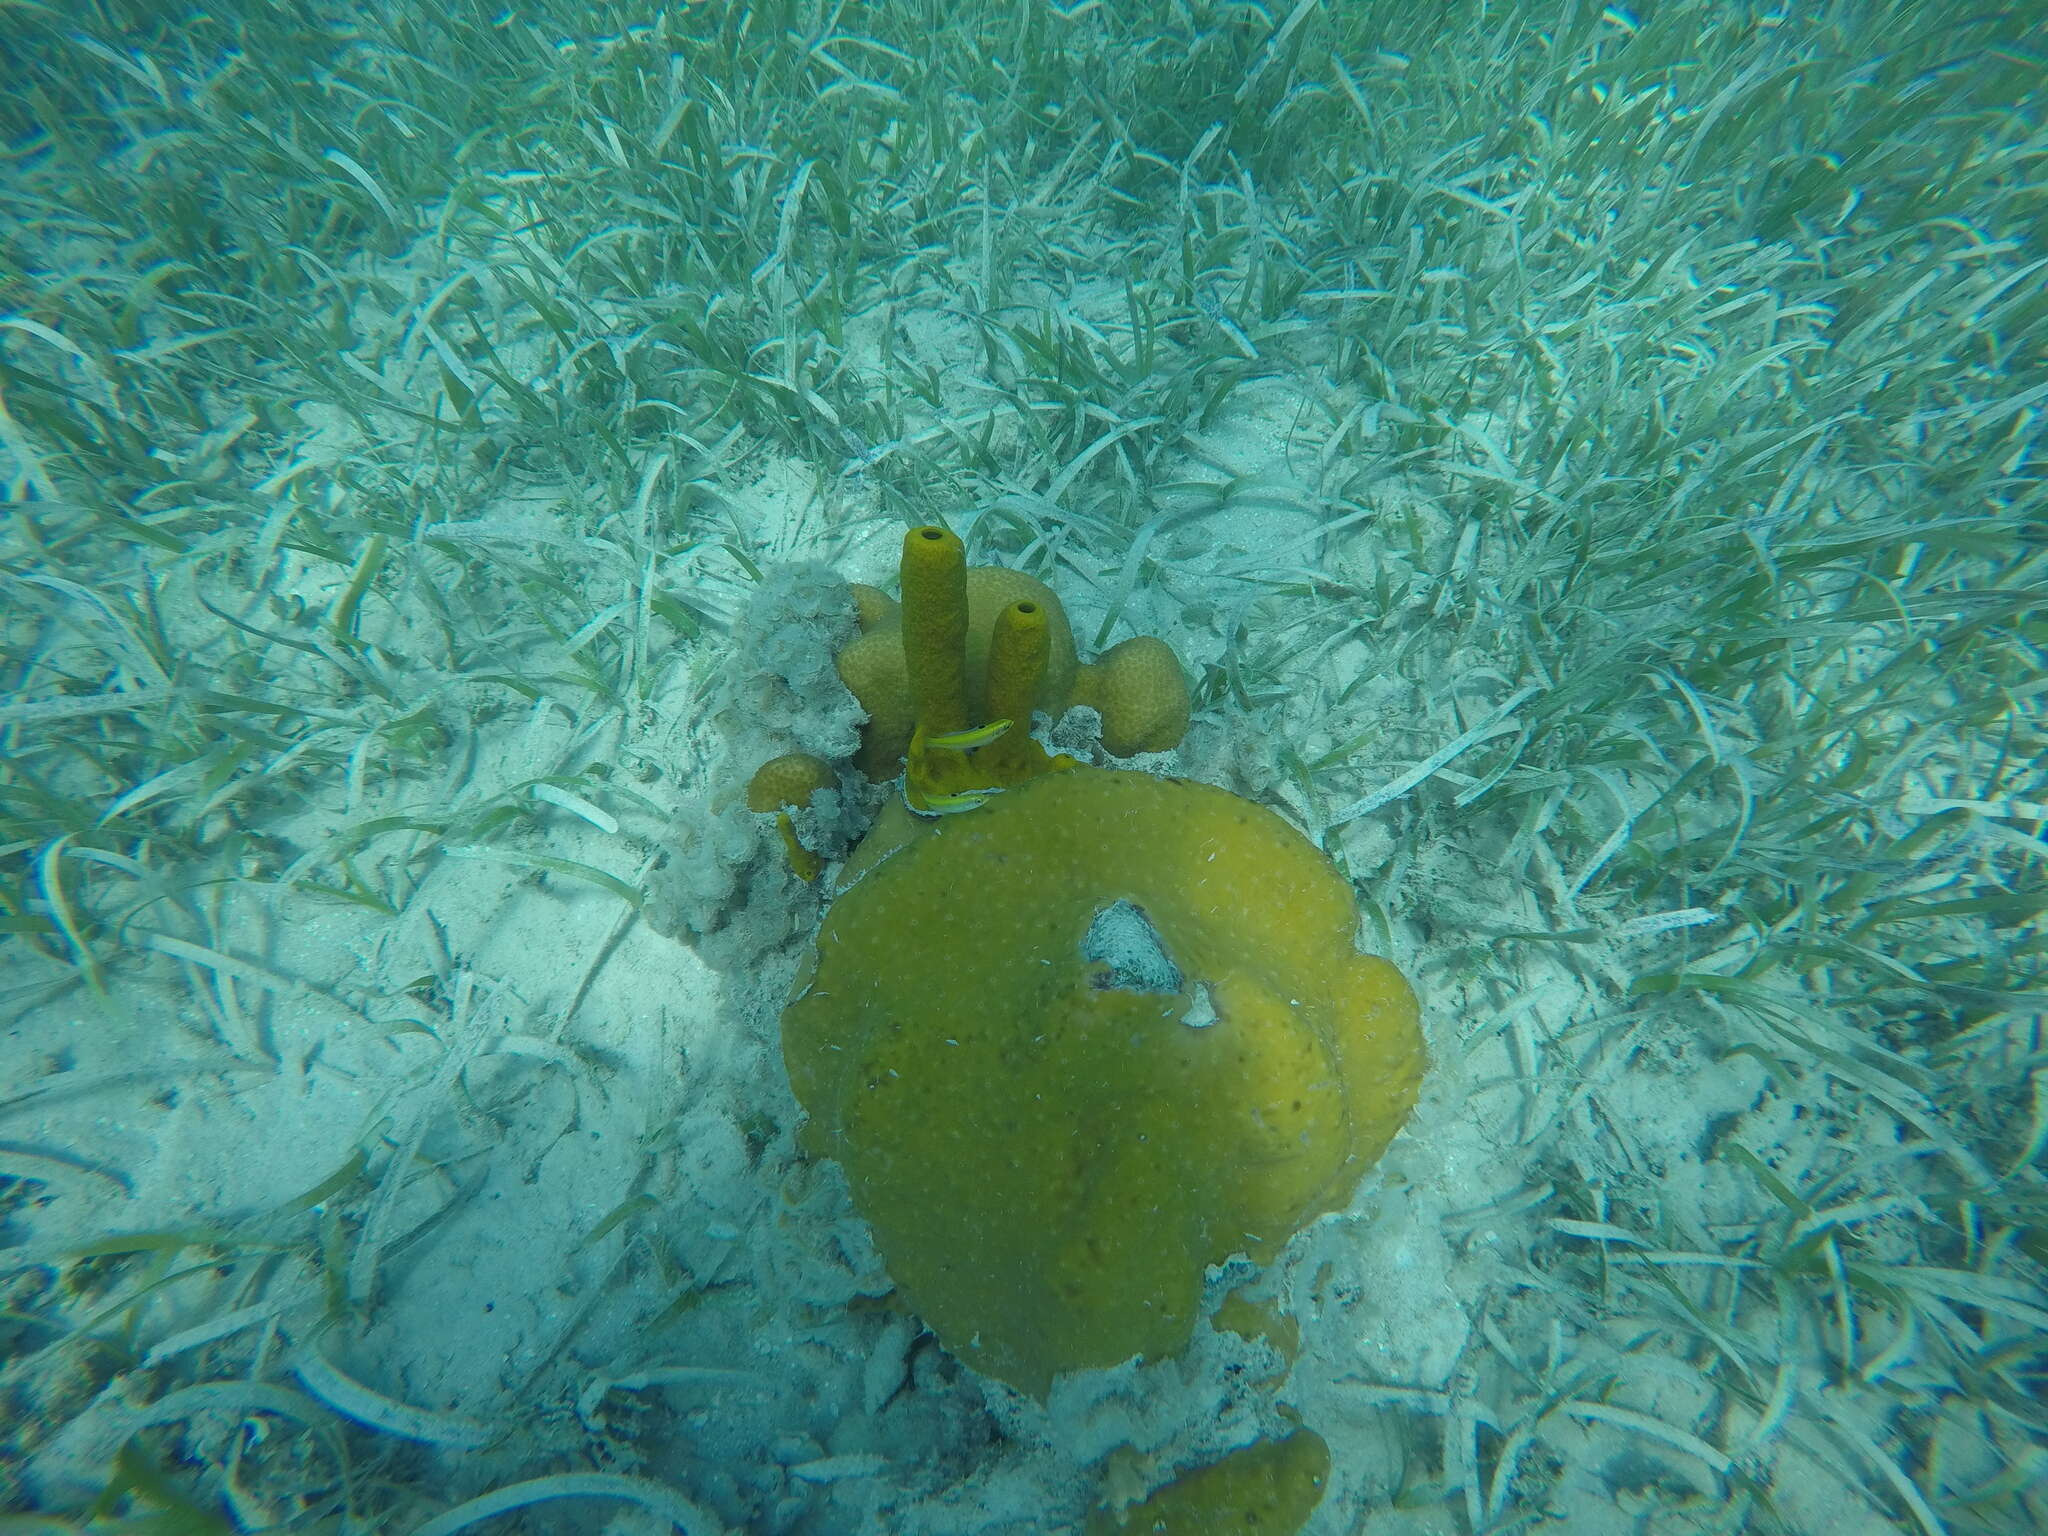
(991, 589)
(872, 607)
(1267, 1489)
(871, 666)
(1140, 692)
(1076, 1046)
(786, 783)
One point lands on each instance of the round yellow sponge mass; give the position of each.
(1141, 693)
(1079, 1044)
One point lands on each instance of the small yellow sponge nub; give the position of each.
(786, 783)
(1138, 689)
(872, 607)
(935, 627)
(1267, 1489)
(1016, 666)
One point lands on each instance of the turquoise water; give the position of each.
(1587, 463)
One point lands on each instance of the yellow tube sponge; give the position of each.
(786, 783)
(1017, 651)
(990, 590)
(873, 665)
(1140, 692)
(1076, 1046)
(935, 627)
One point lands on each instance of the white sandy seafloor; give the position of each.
(520, 1057)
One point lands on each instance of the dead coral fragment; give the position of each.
(1048, 1159)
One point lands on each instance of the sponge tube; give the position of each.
(1017, 652)
(935, 627)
